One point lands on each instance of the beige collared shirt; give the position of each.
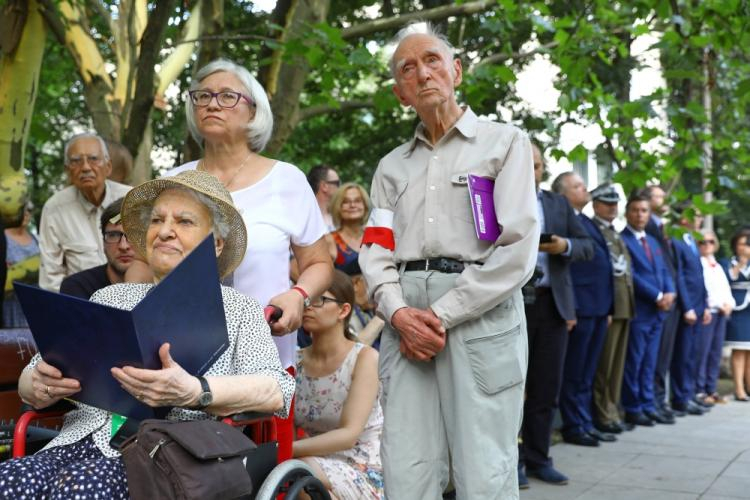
(425, 187)
(70, 239)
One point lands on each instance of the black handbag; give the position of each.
(199, 459)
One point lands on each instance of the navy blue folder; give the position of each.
(84, 339)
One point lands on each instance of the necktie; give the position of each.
(647, 249)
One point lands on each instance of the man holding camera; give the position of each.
(549, 319)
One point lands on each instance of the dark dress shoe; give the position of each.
(548, 474)
(689, 408)
(523, 481)
(581, 439)
(638, 419)
(604, 437)
(666, 411)
(659, 417)
(627, 426)
(613, 428)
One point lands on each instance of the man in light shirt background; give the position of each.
(69, 234)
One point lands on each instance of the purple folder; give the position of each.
(483, 206)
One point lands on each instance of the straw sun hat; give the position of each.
(138, 203)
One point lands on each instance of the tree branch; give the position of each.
(437, 13)
(143, 101)
(516, 56)
(322, 109)
(52, 17)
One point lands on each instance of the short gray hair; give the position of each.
(420, 28)
(86, 135)
(220, 226)
(558, 185)
(260, 128)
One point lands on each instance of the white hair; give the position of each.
(259, 129)
(86, 135)
(421, 28)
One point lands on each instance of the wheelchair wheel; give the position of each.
(292, 477)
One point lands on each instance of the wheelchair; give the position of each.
(271, 465)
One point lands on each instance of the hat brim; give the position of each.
(138, 203)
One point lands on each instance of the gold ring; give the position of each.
(140, 396)
(46, 389)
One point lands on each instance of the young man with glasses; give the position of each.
(120, 255)
(69, 239)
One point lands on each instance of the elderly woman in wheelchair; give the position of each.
(164, 220)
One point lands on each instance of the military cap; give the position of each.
(605, 193)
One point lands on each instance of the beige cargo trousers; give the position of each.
(465, 404)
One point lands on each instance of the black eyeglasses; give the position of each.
(336, 183)
(225, 98)
(114, 236)
(320, 301)
(707, 242)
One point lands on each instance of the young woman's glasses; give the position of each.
(320, 301)
(225, 98)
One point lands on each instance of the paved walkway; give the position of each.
(706, 457)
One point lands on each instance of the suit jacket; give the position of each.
(691, 289)
(649, 278)
(592, 281)
(622, 267)
(560, 219)
(657, 231)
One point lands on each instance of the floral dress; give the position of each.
(355, 473)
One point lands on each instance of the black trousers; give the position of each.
(666, 350)
(548, 340)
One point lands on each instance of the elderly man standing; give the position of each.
(69, 238)
(453, 353)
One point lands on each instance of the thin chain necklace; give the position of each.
(202, 166)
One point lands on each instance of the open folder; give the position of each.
(84, 339)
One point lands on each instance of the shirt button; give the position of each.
(430, 219)
(432, 188)
(434, 157)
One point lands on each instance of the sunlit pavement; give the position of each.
(704, 457)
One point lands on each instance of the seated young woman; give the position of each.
(337, 399)
(164, 220)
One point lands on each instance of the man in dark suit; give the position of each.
(593, 289)
(655, 227)
(693, 306)
(654, 294)
(550, 318)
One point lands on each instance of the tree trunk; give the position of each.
(292, 74)
(19, 78)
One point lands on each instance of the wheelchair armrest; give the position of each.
(30, 414)
(248, 417)
(62, 406)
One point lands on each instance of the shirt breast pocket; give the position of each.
(459, 200)
(81, 256)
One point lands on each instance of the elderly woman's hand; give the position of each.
(293, 305)
(49, 386)
(170, 386)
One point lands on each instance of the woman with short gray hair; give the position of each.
(229, 115)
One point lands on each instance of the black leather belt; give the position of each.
(440, 264)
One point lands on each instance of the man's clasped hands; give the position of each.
(422, 333)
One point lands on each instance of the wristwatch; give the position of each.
(302, 292)
(206, 397)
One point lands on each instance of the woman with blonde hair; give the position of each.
(350, 208)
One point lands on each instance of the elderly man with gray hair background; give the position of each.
(453, 354)
(69, 237)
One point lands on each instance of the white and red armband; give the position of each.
(379, 229)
